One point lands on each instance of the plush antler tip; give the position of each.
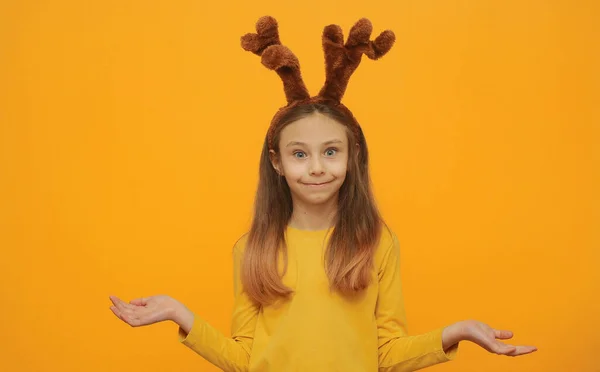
(249, 42)
(360, 33)
(266, 34)
(265, 23)
(385, 41)
(334, 33)
(278, 56)
(364, 24)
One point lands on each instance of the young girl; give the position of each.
(317, 281)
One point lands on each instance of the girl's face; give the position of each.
(313, 158)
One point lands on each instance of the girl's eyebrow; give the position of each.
(294, 143)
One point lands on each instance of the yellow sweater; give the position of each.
(318, 330)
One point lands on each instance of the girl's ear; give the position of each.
(275, 162)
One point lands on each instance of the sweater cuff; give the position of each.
(191, 338)
(449, 354)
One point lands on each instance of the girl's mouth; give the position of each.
(318, 184)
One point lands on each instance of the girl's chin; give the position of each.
(316, 197)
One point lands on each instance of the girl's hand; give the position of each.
(484, 336)
(145, 311)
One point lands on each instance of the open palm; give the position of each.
(487, 337)
(143, 311)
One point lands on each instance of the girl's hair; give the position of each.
(351, 247)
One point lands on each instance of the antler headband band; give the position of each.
(341, 60)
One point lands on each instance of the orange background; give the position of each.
(129, 143)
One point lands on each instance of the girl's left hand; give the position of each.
(486, 337)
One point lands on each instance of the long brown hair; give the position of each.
(351, 247)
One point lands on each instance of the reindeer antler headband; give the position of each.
(340, 62)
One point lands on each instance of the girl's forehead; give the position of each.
(314, 128)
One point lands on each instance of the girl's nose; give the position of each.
(316, 168)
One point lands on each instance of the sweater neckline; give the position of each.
(309, 232)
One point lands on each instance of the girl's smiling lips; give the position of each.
(317, 184)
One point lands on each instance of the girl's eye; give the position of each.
(297, 153)
(331, 152)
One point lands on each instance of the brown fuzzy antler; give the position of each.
(265, 43)
(341, 60)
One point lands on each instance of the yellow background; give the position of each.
(129, 143)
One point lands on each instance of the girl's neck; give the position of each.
(314, 217)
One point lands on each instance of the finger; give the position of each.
(522, 350)
(116, 302)
(501, 348)
(119, 304)
(128, 317)
(139, 301)
(503, 334)
(118, 313)
(115, 311)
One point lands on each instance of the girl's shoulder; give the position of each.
(240, 244)
(387, 237)
(387, 247)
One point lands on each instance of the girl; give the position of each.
(317, 281)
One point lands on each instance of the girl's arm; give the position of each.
(397, 350)
(484, 336)
(400, 352)
(227, 353)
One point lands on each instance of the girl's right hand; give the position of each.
(145, 311)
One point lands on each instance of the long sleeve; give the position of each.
(228, 353)
(397, 350)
